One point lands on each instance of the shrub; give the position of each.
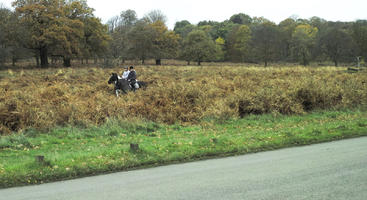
(45, 98)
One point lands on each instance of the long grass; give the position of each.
(46, 98)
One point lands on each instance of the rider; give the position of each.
(132, 77)
(125, 74)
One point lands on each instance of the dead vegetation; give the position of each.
(45, 98)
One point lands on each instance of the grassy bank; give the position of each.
(71, 152)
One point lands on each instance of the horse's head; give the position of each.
(113, 78)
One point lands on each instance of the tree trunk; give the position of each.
(143, 61)
(67, 62)
(95, 60)
(305, 61)
(157, 61)
(265, 63)
(44, 57)
(87, 61)
(336, 62)
(199, 62)
(14, 60)
(37, 60)
(188, 62)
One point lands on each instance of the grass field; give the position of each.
(75, 152)
(72, 118)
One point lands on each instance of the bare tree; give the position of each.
(154, 16)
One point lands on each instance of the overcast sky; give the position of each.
(199, 10)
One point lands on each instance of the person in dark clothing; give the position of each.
(132, 77)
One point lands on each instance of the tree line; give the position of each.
(69, 30)
(51, 28)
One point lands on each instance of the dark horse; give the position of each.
(123, 84)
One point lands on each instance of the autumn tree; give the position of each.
(165, 42)
(183, 28)
(86, 35)
(256, 21)
(222, 29)
(119, 28)
(70, 30)
(303, 41)
(338, 45)
(206, 28)
(4, 13)
(41, 19)
(128, 18)
(318, 22)
(55, 27)
(95, 40)
(180, 26)
(264, 40)
(199, 47)
(359, 34)
(220, 49)
(140, 39)
(207, 22)
(286, 28)
(238, 43)
(241, 18)
(13, 36)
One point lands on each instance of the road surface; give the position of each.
(335, 170)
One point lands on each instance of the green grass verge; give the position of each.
(75, 152)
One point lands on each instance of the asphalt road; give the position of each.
(335, 170)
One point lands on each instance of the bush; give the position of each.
(45, 98)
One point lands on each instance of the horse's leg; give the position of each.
(116, 90)
(133, 87)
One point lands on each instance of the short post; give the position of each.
(134, 147)
(358, 61)
(40, 158)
